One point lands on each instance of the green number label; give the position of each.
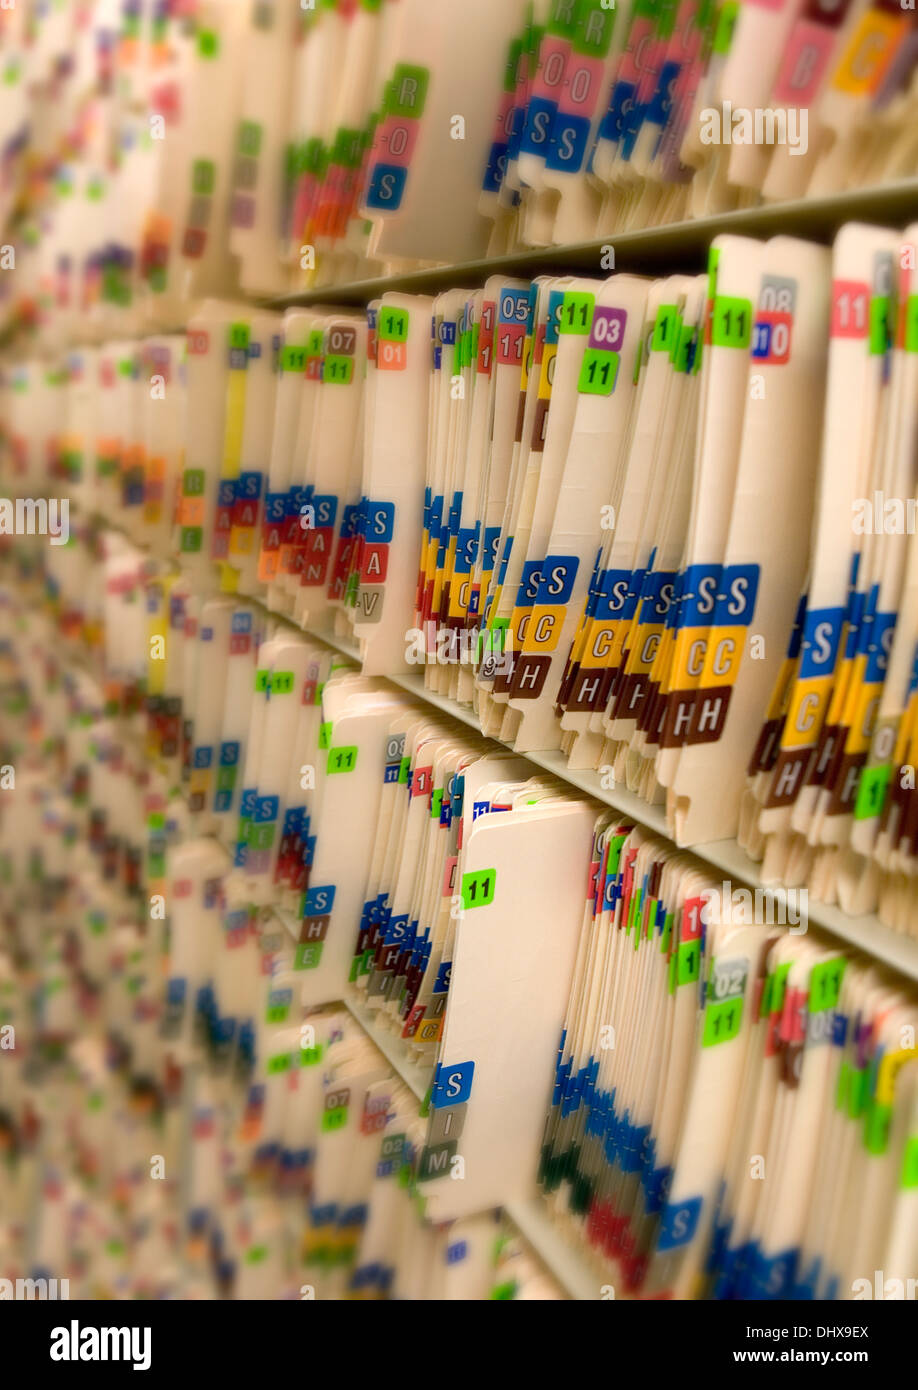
(239, 337)
(338, 371)
(293, 359)
(879, 323)
(857, 1092)
(203, 177)
(334, 1117)
(250, 138)
(910, 1163)
(576, 314)
(342, 759)
(688, 962)
(478, 888)
(911, 324)
(665, 329)
(504, 1291)
(731, 322)
(208, 43)
(871, 792)
(722, 1022)
(876, 1131)
(825, 984)
(393, 325)
(598, 372)
(726, 22)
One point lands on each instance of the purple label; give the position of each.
(608, 329)
(862, 1036)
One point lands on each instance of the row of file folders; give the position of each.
(264, 148)
(595, 1014)
(666, 526)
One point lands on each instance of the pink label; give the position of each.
(449, 877)
(687, 83)
(634, 57)
(686, 38)
(396, 139)
(582, 85)
(549, 79)
(850, 309)
(503, 125)
(653, 59)
(803, 66)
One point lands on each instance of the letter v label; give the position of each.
(368, 602)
